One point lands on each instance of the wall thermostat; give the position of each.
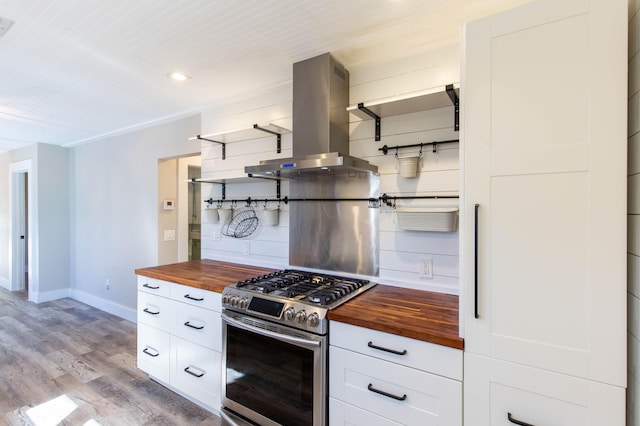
(168, 204)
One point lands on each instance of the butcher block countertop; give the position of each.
(421, 315)
(206, 274)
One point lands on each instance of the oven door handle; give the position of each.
(267, 333)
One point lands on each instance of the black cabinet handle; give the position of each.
(475, 266)
(187, 370)
(380, 348)
(188, 324)
(517, 422)
(146, 351)
(389, 395)
(150, 312)
(197, 299)
(150, 286)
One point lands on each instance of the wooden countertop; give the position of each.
(421, 315)
(206, 274)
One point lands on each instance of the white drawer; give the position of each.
(153, 286)
(413, 397)
(343, 414)
(494, 389)
(154, 310)
(197, 297)
(196, 324)
(154, 352)
(196, 371)
(413, 353)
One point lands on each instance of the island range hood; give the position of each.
(320, 123)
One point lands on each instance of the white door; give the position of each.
(544, 110)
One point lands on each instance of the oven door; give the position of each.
(273, 374)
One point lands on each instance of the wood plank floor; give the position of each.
(71, 351)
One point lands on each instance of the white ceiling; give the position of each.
(76, 70)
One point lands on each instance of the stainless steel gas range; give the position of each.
(275, 346)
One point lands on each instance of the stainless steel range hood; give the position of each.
(320, 123)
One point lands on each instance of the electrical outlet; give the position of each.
(216, 235)
(425, 266)
(107, 284)
(246, 248)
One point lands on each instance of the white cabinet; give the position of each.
(544, 154)
(384, 379)
(180, 339)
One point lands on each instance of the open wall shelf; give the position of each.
(257, 131)
(437, 97)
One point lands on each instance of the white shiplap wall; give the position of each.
(400, 251)
(633, 256)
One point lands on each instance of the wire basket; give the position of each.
(242, 224)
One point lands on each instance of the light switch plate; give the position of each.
(169, 234)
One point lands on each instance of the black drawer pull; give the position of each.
(150, 312)
(188, 324)
(397, 398)
(517, 422)
(146, 351)
(197, 299)
(150, 286)
(380, 348)
(187, 370)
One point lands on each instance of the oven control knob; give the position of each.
(234, 301)
(313, 320)
(225, 299)
(243, 303)
(301, 317)
(289, 314)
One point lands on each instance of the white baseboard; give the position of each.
(4, 282)
(104, 305)
(48, 296)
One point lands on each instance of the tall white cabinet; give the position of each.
(544, 157)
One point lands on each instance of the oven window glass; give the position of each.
(270, 377)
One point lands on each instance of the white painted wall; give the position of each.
(53, 226)
(49, 262)
(114, 213)
(400, 250)
(633, 256)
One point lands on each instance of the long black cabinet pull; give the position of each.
(187, 370)
(517, 422)
(380, 348)
(150, 312)
(188, 324)
(390, 395)
(475, 265)
(197, 299)
(146, 351)
(151, 287)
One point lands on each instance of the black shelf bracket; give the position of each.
(373, 115)
(278, 137)
(224, 145)
(456, 103)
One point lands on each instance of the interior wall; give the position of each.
(633, 256)
(53, 227)
(114, 213)
(400, 251)
(5, 215)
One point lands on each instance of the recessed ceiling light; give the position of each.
(179, 76)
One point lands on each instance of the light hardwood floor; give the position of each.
(66, 348)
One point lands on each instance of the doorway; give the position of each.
(21, 238)
(179, 224)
